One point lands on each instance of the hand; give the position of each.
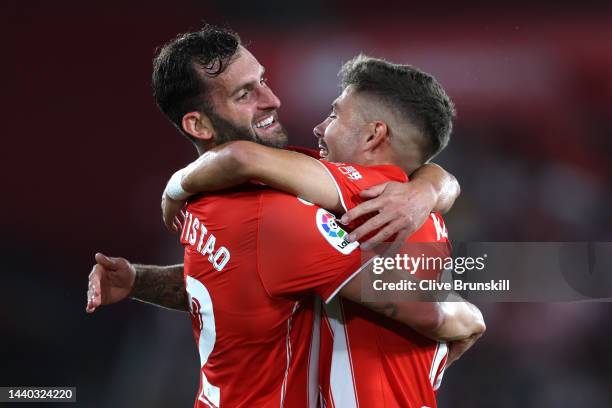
(110, 281)
(457, 348)
(401, 207)
(171, 213)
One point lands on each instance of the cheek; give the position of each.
(335, 133)
(241, 115)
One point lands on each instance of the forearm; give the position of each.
(216, 169)
(160, 285)
(444, 185)
(237, 162)
(440, 321)
(460, 320)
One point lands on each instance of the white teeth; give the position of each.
(266, 122)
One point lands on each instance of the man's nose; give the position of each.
(319, 130)
(269, 100)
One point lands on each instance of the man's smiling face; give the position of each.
(340, 133)
(243, 103)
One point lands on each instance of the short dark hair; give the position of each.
(414, 94)
(178, 86)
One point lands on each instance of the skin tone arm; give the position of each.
(114, 279)
(446, 321)
(234, 163)
(455, 321)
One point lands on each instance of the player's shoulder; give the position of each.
(357, 173)
(235, 197)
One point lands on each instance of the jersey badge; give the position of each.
(333, 233)
(350, 172)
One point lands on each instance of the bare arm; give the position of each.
(237, 162)
(441, 321)
(160, 285)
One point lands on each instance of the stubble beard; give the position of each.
(226, 131)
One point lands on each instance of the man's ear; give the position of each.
(198, 125)
(378, 132)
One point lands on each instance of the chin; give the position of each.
(276, 139)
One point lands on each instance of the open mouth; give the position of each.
(266, 123)
(323, 152)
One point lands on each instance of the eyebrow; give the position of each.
(248, 85)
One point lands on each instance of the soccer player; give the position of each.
(387, 114)
(253, 330)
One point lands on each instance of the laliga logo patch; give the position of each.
(333, 233)
(331, 227)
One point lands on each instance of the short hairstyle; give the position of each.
(178, 84)
(412, 93)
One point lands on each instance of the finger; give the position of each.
(93, 271)
(369, 226)
(362, 209)
(106, 261)
(96, 295)
(374, 191)
(90, 308)
(94, 298)
(168, 218)
(176, 226)
(381, 236)
(179, 222)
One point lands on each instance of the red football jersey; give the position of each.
(252, 319)
(367, 359)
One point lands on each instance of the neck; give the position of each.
(203, 147)
(376, 161)
(378, 157)
(201, 150)
(407, 162)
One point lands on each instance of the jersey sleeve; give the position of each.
(302, 249)
(352, 179)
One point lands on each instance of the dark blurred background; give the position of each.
(86, 156)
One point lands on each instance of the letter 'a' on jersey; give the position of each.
(368, 360)
(253, 322)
